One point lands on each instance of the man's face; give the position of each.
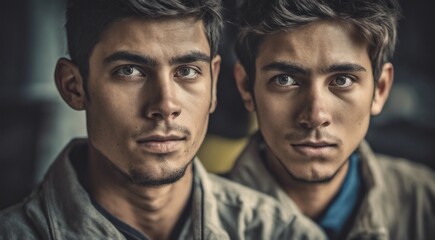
(150, 95)
(313, 97)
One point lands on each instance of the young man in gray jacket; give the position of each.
(314, 72)
(145, 72)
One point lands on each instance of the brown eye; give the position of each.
(284, 80)
(342, 81)
(186, 72)
(129, 70)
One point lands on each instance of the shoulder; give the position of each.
(408, 176)
(225, 193)
(234, 194)
(18, 221)
(409, 186)
(16, 225)
(256, 215)
(238, 203)
(410, 193)
(245, 213)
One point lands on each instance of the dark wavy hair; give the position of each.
(87, 19)
(376, 20)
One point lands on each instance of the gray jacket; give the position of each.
(60, 208)
(399, 198)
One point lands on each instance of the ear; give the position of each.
(242, 82)
(216, 66)
(69, 83)
(382, 89)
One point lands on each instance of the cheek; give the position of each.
(195, 111)
(115, 108)
(195, 119)
(111, 112)
(354, 117)
(360, 110)
(274, 114)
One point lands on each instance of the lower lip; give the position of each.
(313, 151)
(160, 147)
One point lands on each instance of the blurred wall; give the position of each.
(35, 124)
(406, 127)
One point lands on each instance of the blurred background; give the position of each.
(35, 124)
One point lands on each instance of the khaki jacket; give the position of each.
(60, 208)
(399, 198)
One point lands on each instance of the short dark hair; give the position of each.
(375, 19)
(87, 19)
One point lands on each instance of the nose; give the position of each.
(162, 100)
(314, 111)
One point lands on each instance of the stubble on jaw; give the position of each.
(322, 180)
(140, 178)
(134, 175)
(294, 177)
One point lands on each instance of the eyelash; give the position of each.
(351, 78)
(274, 80)
(191, 68)
(140, 73)
(118, 70)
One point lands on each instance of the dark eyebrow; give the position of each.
(344, 67)
(293, 68)
(190, 57)
(132, 57)
(146, 60)
(286, 67)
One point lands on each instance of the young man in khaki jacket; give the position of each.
(314, 72)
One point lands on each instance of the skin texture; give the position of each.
(151, 91)
(313, 96)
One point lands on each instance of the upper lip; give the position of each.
(160, 138)
(314, 144)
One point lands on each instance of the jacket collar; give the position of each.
(205, 210)
(371, 217)
(71, 214)
(250, 170)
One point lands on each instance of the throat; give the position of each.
(312, 200)
(152, 211)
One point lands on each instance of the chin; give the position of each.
(143, 179)
(315, 174)
(164, 176)
(310, 174)
(313, 179)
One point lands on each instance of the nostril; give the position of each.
(325, 124)
(156, 115)
(176, 114)
(162, 115)
(304, 125)
(314, 124)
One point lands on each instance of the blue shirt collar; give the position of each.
(340, 210)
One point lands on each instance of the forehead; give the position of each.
(316, 44)
(159, 38)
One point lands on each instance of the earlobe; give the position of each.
(382, 88)
(215, 64)
(69, 83)
(242, 83)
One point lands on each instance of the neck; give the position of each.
(311, 198)
(153, 210)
